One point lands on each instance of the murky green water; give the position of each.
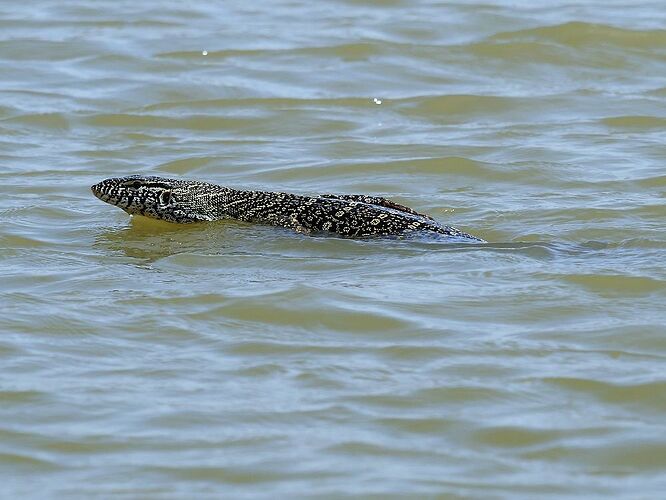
(143, 360)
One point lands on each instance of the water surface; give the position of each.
(147, 360)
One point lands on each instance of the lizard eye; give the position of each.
(136, 184)
(165, 197)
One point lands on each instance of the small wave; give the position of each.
(636, 121)
(349, 52)
(52, 121)
(192, 122)
(581, 34)
(645, 394)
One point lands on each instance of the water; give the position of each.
(146, 360)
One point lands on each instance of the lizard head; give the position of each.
(171, 200)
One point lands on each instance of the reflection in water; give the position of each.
(150, 240)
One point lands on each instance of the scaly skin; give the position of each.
(185, 201)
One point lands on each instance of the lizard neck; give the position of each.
(254, 206)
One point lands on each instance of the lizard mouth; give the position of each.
(97, 189)
(101, 191)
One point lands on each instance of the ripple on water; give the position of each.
(155, 360)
